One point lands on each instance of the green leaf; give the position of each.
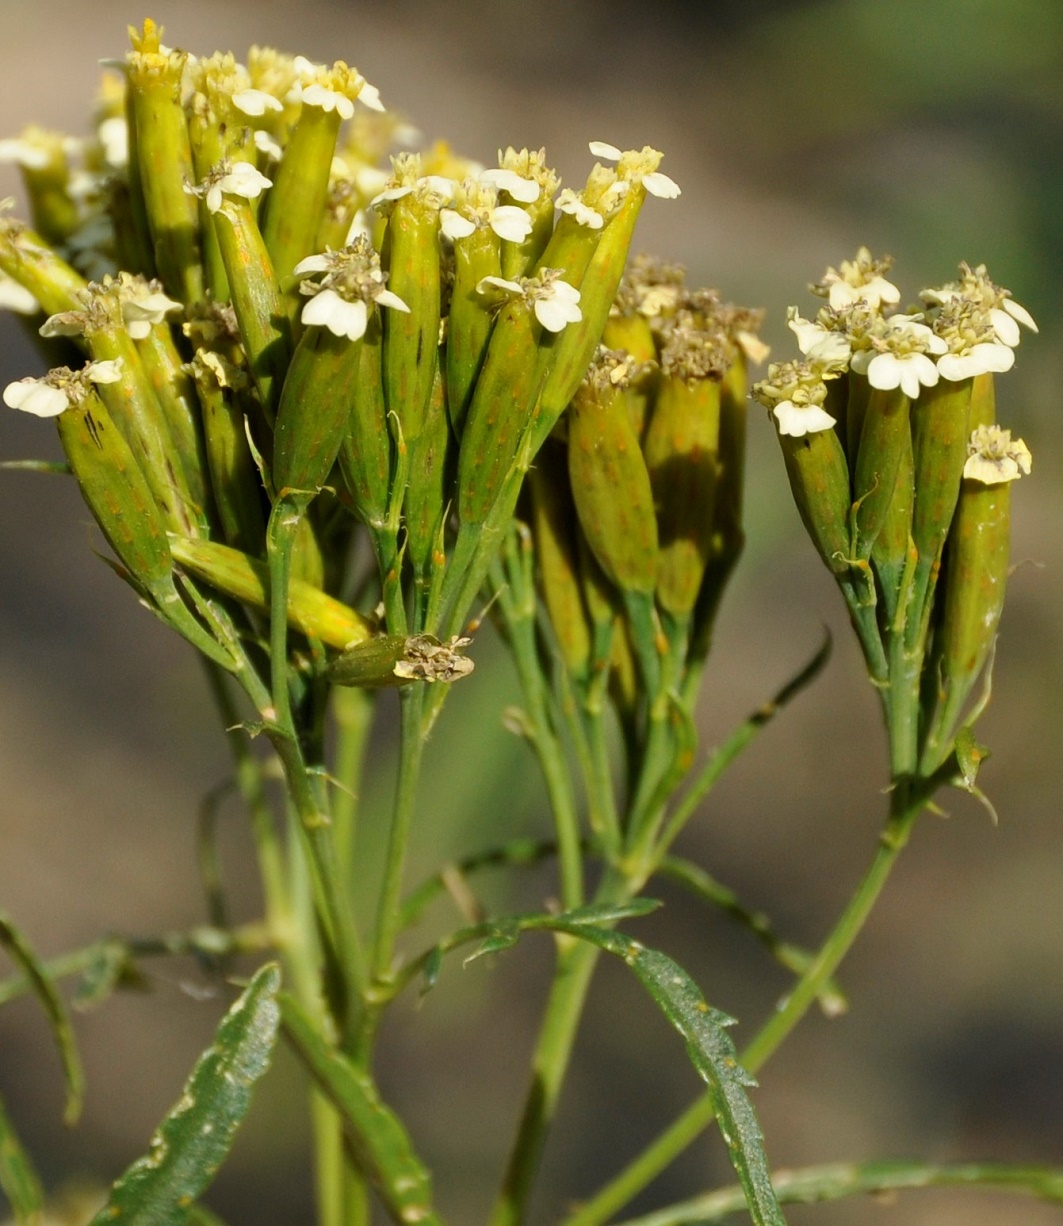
(44, 989)
(711, 1052)
(816, 1184)
(503, 935)
(18, 1179)
(192, 1141)
(381, 1144)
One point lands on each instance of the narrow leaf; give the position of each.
(837, 1180)
(711, 1052)
(192, 1141)
(18, 1179)
(44, 989)
(380, 1143)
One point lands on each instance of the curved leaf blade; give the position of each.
(43, 987)
(380, 1142)
(192, 1141)
(711, 1052)
(18, 1179)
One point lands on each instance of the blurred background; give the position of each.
(797, 131)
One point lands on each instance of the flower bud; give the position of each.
(164, 161)
(681, 449)
(610, 482)
(411, 339)
(310, 611)
(365, 457)
(555, 528)
(395, 659)
(975, 576)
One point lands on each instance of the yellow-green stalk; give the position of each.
(164, 160)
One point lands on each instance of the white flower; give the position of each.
(342, 318)
(555, 302)
(661, 186)
(817, 342)
(511, 223)
(239, 179)
(557, 305)
(15, 297)
(993, 458)
(36, 397)
(59, 389)
(975, 287)
(327, 99)
(104, 372)
(908, 371)
(142, 312)
(313, 263)
(352, 280)
(527, 191)
(798, 420)
(859, 280)
(987, 357)
(256, 102)
(571, 203)
(454, 225)
(639, 166)
(267, 144)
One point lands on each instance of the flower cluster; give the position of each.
(294, 340)
(900, 472)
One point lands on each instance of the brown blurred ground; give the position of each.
(797, 131)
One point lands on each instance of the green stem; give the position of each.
(905, 806)
(389, 905)
(249, 781)
(576, 961)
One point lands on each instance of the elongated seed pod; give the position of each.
(116, 491)
(681, 449)
(940, 431)
(470, 320)
(554, 528)
(164, 162)
(314, 410)
(310, 611)
(365, 457)
(428, 491)
(819, 481)
(884, 438)
(411, 338)
(501, 404)
(611, 488)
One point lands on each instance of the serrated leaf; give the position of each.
(18, 1179)
(47, 993)
(711, 1052)
(380, 1142)
(192, 1141)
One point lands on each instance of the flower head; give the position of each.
(234, 179)
(340, 300)
(859, 280)
(993, 457)
(795, 392)
(897, 355)
(554, 301)
(59, 388)
(974, 286)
